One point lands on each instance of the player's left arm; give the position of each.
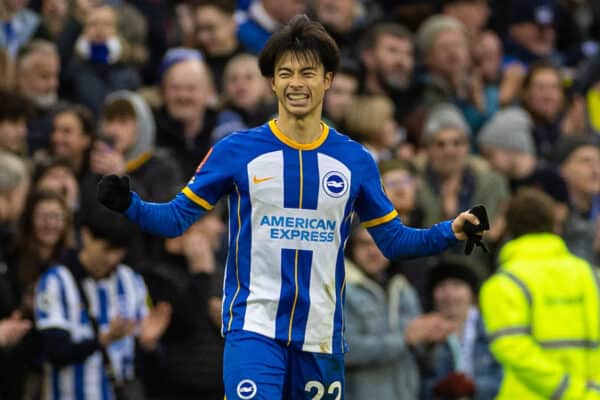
(393, 238)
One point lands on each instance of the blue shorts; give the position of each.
(259, 368)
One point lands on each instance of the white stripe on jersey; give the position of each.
(323, 295)
(266, 196)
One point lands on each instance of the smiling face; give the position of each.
(300, 83)
(49, 218)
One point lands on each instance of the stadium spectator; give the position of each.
(102, 61)
(264, 17)
(215, 33)
(127, 147)
(247, 99)
(507, 143)
(472, 13)
(58, 175)
(451, 75)
(370, 120)
(385, 328)
(579, 161)
(90, 303)
(387, 53)
(343, 90)
(463, 365)
(345, 21)
(188, 276)
(19, 24)
(38, 70)
(14, 186)
(531, 32)
(7, 71)
(14, 114)
(185, 120)
(543, 97)
(540, 309)
(54, 16)
(73, 133)
(451, 180)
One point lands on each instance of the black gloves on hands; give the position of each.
(473, 239)
(114, 192)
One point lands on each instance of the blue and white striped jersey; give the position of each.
(290, 214)
(58, 305)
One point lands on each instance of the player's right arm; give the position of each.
(173, 218)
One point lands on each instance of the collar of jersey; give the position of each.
(295, 145)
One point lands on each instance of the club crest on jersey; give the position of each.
(246, 389)
(335, 184)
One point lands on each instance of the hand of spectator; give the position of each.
(455, 386)
(118, 329)
(428, 328)
(114, 192)
(512, 82)
(198, 252)
(154, 325)
(459, 223)
(106, 161)
(13, 329)
(573, 122)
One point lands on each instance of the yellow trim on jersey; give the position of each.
(134, 164)
(295, 145)
(381, 220)
(237, 247)
(197, 199)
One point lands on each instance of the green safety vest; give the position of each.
(542, 315)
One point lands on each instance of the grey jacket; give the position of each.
(379, 364)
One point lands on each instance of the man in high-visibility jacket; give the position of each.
(542, 310)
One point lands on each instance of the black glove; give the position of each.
(473, 239)
(114, 192)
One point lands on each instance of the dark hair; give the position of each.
(530, 211)
(107, 225)
(538, 66)
(371, 37)
(302, 38)
(396, 164)
(31, 266)
(14, 107)
(84, 115)
(225, 6)
(43, 166)
(119, 109)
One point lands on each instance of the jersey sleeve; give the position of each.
(213, 178)
(142, 298)
(51, 305)
(372, 204)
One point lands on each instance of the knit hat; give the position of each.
(448, 269)
(444, 116)
(541, 12)
(566, 145)
(509, 129)
(175, 56)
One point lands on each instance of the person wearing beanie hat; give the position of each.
(506, 142)
(541, 310)
(450, 178)
(186, 118)
(579, 162)
(463, 364)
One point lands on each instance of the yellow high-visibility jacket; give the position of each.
(542, 315)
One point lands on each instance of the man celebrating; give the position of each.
(292, 185)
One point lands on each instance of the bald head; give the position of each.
(187, 87)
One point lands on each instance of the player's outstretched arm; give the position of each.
(163, 219)
(397, 240)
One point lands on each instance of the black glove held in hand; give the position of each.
(473, 239)
(114, 192)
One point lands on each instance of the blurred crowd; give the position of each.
(461, 102)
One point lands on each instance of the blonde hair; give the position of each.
(366, 116)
